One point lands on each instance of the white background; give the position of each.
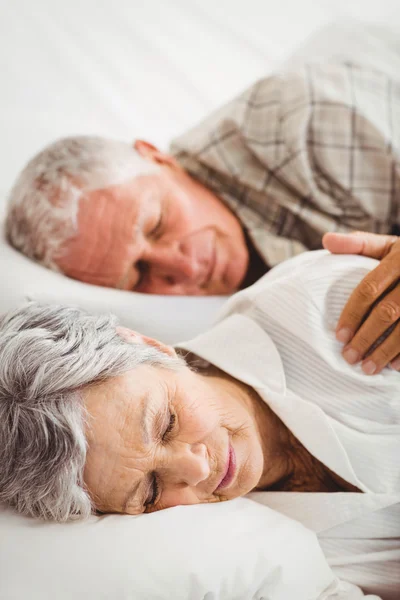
(140, 68)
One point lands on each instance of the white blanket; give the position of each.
(278, 337)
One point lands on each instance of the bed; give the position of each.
(127, 69)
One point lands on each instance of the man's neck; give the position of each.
(257, 266)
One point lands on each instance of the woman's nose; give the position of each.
(189, 464)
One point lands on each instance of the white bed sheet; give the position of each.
(129, 68)
(125, 69)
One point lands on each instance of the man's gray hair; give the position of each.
(48, 354)
(43, 204)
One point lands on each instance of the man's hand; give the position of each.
(379, 291)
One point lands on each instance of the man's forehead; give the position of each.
(107, 212)
(115, 201)
(106, 239)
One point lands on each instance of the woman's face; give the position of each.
(159, 438)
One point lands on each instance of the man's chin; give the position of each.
(235, 274)
(217, 290)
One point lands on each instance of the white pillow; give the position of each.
(168, 318)
(238, 550)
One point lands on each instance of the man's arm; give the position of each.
(373, 309)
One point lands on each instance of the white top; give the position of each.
(278, 337)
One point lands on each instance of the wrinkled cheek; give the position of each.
(199, 418)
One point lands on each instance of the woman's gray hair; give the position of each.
(43, 204)
(47, 355)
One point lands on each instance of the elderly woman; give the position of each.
(96, 417)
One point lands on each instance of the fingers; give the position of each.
(365, 295)
(395, 364)
(342, 243)
(380, 329)
(383, 354)
(379, 335)
(373, 245)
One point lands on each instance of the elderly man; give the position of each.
(299, 153)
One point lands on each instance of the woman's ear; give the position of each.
(133, 337)
(150, 152)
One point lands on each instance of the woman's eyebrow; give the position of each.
(151, 424)
(131, 494)
(146, 419)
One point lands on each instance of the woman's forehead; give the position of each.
(121, 413)
(119, 403)
(115, 409)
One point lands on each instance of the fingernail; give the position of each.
(369, 367)
(395, 364)
(351, 355)
(344, 335)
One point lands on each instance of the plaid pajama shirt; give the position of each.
(303, 152)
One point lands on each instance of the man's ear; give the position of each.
(133, 337)
(150, 152)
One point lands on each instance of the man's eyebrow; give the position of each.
(136, 231)
(140, 220)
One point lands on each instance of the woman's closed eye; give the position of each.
(155, 485)
(154, 492)
(170, 427)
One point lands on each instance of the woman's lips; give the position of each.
(230, 469)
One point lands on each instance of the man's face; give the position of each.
(159, 233)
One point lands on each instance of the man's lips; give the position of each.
(230, 469)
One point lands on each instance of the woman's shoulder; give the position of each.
(318, 278)
(314, 282)
(317, 266)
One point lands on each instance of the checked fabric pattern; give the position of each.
(304, 152)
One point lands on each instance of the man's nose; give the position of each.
(189, 464)
(168, 262)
